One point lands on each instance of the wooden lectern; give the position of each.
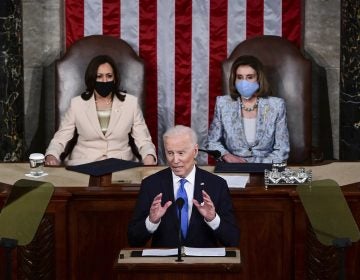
(138, 267)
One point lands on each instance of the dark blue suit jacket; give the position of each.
(199, 233)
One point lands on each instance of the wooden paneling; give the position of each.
(97, 232)
(88, 227)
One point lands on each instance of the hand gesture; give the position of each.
(156, 210)
(206, 208)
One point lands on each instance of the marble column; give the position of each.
(11, 82)
(350, 81)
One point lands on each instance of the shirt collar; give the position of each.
(190, 177)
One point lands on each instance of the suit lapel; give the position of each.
(199, 185)
(92, 116)
(116, 112)
(261, 119)
(167, 187)
(167, 190)
(238, 123)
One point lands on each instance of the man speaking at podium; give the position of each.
(207, 217)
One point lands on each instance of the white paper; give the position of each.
(236, 181)
(159, 252)
(204, 252)
(36, 176)
(188, 251)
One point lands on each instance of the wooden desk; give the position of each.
(85, 228)
(221, 268)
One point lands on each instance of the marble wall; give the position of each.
(350, 81)
(11, 81)
(43, 45)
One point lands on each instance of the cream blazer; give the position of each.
(92, 145)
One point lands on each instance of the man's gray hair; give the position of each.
(181, 130)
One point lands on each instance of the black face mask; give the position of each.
(104, 88)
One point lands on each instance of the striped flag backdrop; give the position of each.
(183, 43)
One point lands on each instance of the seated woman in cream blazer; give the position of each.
(249, 125)
(103, 117)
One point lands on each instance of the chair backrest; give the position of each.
(289, 74)
(70, 69)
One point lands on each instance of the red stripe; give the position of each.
(74, 21)
(111, 18)
(254, 18)
(147, 50)
(291, 21)
(183, 22)
(217, 49)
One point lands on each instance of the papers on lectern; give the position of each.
(187, 251)
(236, 181)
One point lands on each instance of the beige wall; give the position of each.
(42, 22)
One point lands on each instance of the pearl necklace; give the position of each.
(249, 109)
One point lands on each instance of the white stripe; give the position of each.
(93, 17)
(236, 23)
(200, 73)
(129, 17)
(273, 17)
(165, 68)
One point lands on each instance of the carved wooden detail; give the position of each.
(37, 259)
(85, 228)
(322, 261)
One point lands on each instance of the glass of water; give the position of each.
(37, 161)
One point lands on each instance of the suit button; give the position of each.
(250, 149)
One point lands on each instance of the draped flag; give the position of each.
(183, 43)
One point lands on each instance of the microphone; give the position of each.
(214, 153)
(179, 203)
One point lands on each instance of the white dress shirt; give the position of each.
(189, 187)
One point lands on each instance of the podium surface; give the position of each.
(344, 173)
(128, 267)
(82, 222)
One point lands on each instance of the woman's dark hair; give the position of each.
(249, 60)
(91, 75)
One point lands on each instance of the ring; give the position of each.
(202, 204)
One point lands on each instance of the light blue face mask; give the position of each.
(246, 89)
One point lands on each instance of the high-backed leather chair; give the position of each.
(70, 71)
(289, 74)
